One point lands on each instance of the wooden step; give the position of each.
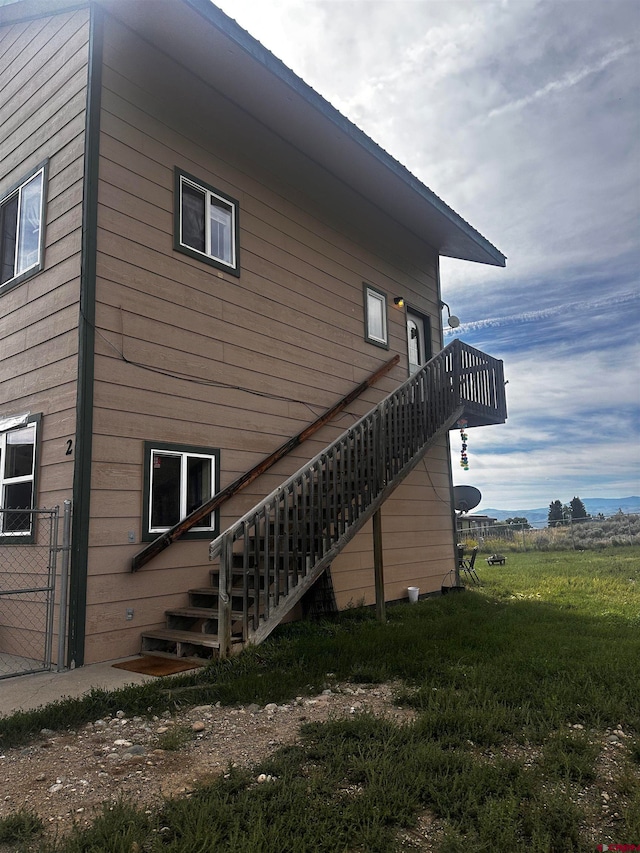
(180, 644)
(157, 653)
(174, 636)
(205, 613)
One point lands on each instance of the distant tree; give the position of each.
(578, 510)
(520, 521)
(555, 516)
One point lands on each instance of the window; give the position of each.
(17, 479)
(178, 480)
(206, 223)
(21, 231)
(375, 317)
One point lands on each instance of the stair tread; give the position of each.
(200, 612)
(236, 591)
(209, 640)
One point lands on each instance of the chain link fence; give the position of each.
(584, 534)
(28, 587)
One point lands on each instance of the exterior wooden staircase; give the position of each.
(273, 555)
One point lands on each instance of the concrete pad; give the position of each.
(28, 692)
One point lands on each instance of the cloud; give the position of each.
(575, 308)
(567, 81)
(523, 116)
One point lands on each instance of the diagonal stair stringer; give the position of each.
(271, 556)
(304, 585)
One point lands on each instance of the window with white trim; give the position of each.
(375, 316)
(17, 480)
(206, 223)
(21, 231)
(178, 479)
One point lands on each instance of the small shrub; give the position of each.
(20, 827)
(175, 738)
(571, 756)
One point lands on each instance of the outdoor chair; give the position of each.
(468, 566)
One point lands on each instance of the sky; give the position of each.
(524, 117)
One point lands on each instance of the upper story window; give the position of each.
(21, 231)
(178, 479)
(17, 479)
(206, 223)
(375, 317)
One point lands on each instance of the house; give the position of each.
(475, 524)
(201, 256)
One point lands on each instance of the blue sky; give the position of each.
(524, 116)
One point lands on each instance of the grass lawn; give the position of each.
(519, 687)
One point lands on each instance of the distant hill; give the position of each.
(538, 517)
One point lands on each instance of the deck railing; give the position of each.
(272, 555)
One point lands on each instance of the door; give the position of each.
(418, 340)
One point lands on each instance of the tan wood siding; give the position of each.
(43, 75)
(188, 354)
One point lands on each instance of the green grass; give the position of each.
(500, 673)
(20, 828)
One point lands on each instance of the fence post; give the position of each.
(64, 583)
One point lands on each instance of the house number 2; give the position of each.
(69, 447)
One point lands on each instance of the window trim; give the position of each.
(383, 342)
(149, 535)
(232, 268)
(24, 538)
(17, 188)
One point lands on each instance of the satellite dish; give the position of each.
(466, 498)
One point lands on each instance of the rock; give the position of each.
(121, 742)
(198, 726)
(55, 788)
(271, 708)
(613, 739)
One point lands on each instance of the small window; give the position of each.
(17, 480)
(206, 223)
(375, 317)
(21, 231)
(178, 480)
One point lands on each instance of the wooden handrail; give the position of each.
(275, 552)
(165, 539)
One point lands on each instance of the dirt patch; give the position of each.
(65, 777)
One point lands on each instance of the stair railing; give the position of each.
(281, 546)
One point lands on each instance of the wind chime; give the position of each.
(464, 459)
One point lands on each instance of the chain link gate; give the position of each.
(27, 591)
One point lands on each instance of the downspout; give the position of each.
(452, 502)
(86, 341)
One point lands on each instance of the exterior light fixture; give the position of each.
(452, 320)
(398, 301)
